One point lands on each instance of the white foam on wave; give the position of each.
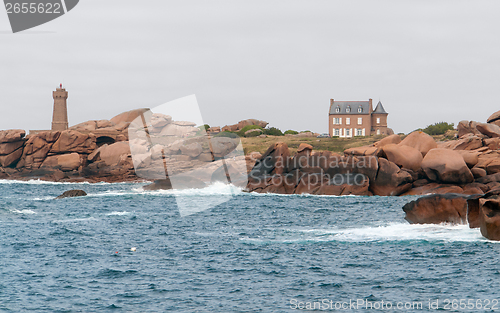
(391, 232)
(25, 211)
(118, 213)
(214, 189)
(211, 190)
(409, 232)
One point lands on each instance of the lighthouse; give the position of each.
(60, 113)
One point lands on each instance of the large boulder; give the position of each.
(436, 209)
(9, 147)
(420, 141)
(446, 166)
(113, 154)
(128, 116)
(12, 135)
(490, 130)
(11, 159)
(273, 161)
(392, 139)
(492, 143)
(362, 151)
(390, 179)
(74, 141)
(63, 162)
(489, 218)
(471, 158)
(466, 142)
(36, 149)
(251, 121)
(467, 127)
(304, 147)
(433, 188)
(403, 156)
(493, 117)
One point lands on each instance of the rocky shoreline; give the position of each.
(462, 175)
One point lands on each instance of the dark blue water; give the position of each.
(255, 253)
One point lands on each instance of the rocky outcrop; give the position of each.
(420, 141)
(11, 147)
(446, 166)
(435, 209)
(239, 126)
(129, 116)
(72, 193)
(403, 156)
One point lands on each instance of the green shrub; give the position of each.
(253, 134)
(438, 128)
(242, 132)
(227, 134)
(273, 131)
(291, 132)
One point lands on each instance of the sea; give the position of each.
(122, 249)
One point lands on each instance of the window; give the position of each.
(337, 109)
(348, 121)
(378, 120)
(347, 132)
(336, 121)
(359, 132)
(378, 131)
(337, 133)
(360, 109)
(348, 109)
(360, 120)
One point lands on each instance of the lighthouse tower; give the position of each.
(60, 114)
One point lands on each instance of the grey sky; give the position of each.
(280, 61)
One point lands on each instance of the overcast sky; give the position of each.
(279, 61)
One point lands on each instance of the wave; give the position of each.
(214, 189)
(118, 213)
(391, 232)
(25, 211)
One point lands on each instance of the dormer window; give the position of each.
(337, 109)
(360, 109)
(348, 109)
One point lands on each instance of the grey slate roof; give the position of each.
(380, 108)
(365, 105)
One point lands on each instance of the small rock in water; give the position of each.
(72, 193)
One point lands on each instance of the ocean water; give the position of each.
(254, 253)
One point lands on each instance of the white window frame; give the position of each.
(336, 132)
(378, 131)
(360, 120)
(360, 110)
(348, 109)
(378, 120)
(347, 132)
(348, 121)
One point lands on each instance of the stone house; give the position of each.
(357, 118)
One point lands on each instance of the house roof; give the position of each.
(380, 108)
(354, 105)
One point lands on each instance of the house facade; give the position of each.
(357, 118)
